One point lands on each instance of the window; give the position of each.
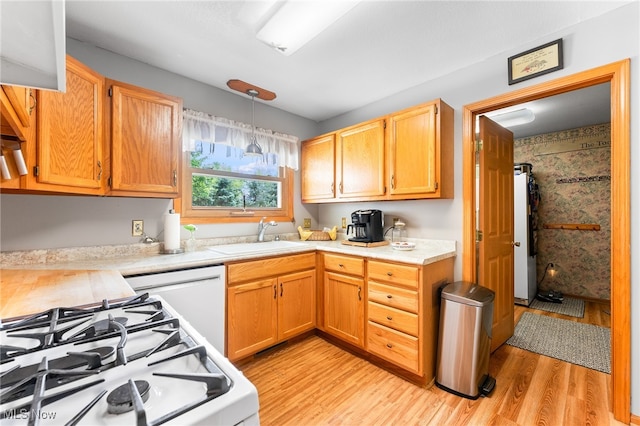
(222, 184)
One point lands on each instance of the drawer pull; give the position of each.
(341, 265)
(389, 274)
(389, 317)
(389, 296)
(275, 292)
(359, 293)
(389, 345)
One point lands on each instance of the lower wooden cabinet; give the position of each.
(403, 311)
(344, 307)
(264, 312)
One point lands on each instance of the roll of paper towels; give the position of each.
(171, 231)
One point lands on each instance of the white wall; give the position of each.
(603, 40)
(29, 222)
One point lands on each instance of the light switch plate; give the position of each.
(137, 228)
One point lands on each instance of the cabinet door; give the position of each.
(70, 141)
(317, 169)
(413, 162)
(344, 307)
(23, 101)
(252, 317)
(296, 304)
(146, 129)
(360, 161)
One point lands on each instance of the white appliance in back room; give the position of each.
(525, 223)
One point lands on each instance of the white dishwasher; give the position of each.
(197, 294)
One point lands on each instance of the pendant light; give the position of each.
(253, 149)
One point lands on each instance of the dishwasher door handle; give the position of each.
(169, 286)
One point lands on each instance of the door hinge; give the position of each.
(36, 171)
(478, 236)
(479, 145)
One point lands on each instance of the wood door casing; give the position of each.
(495, 248)
(619, 75)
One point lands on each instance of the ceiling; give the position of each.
(375, 50)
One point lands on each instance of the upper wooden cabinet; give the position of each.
(70, 153)
(100, 137)
(420, 154)
(17, 105)
(360, 161)
(146, 129)
(318, 175)
(404, 155)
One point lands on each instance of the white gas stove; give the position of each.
(133, 362)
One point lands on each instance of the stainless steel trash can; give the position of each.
(464, 342)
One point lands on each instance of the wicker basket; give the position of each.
(311, 235)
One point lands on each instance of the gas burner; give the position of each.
(120, 399)
(81, 372)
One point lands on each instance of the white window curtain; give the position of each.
(197, 125)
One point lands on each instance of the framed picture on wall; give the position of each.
(535, 62)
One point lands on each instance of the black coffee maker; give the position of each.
(367, 226)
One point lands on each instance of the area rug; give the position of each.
(569, 306)
(582, 344)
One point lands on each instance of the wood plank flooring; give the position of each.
(312, 382)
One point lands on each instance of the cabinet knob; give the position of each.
(390, 318)
(389, 296)
(341, 265)
(389, 274)
(389, 345)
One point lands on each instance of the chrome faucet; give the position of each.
(262, 226)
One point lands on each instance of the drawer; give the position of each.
(394, 346)
(404, 321)
(345, 264)
(268, 267)
(399, 298)
(393, 273)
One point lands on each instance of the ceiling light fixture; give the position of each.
(513, 118)
(295, 23)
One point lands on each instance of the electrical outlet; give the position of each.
(344, 223)
(307, 223)
(137, 228)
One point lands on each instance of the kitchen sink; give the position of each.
(246, 248)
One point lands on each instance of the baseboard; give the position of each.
(635, 420)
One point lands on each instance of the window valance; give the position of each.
(205, 127)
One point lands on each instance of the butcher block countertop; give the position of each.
(29, 291)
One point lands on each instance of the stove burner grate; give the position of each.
(120, 400)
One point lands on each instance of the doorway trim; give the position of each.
(618, 74)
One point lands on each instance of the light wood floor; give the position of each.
(312, 382)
